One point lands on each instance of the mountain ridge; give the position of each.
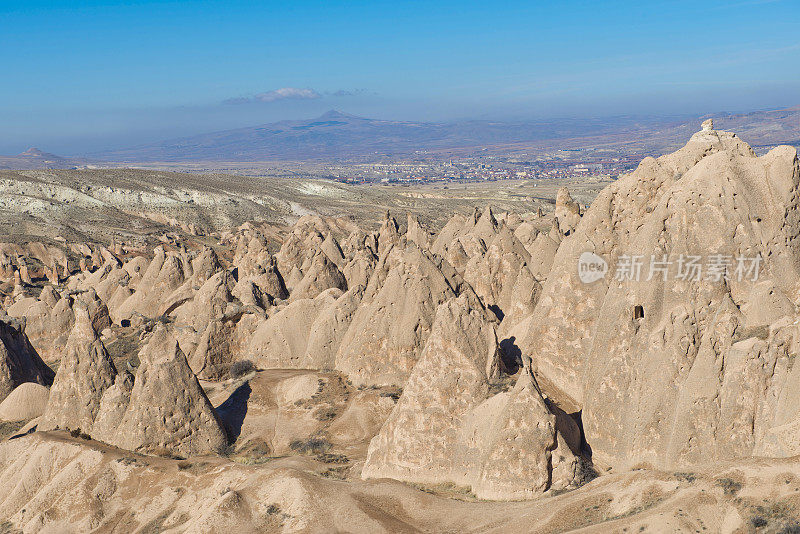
(336, 135)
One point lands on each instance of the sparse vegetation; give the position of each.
(338, 473)
(78, 433)
(729, 486)
(779, 516)
(331, 458)
(447, 489)
(325, 414)
(685, 476)
(167, 453)
(129, 460)
(393, 393)
(310, 446)
(8, 429)
(586, 472)
(241, 368)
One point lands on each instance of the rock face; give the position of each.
(447, 427)
(283, 339)
(568, 212)
(394, 319)
(320, 274)
(113, 405)
(680, 370)
(50, 319)
(168, 409)
(26, 402)
(501, 276)
(85, 372)
(19, 362)
(166, 273)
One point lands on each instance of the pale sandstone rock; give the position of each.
(163, 276)
(49, 320)
(486, 226)
(561, 329)
(391, 325)
(209, 302)
(328, 329)
(388, 234)
(250, 294)
(19, 362)
(330, 247)
(652, 363)
(168, 409)
(447, 427)
(224, 341)
(282, 339)
(568, 212)
(113, 405)
(205, 265)
(416, 233)
(493, 275)
(85, 372)
(359, 269)
(321, 274)
(27, 401)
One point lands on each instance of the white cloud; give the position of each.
(284, 93)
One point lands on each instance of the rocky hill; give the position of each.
(33, 158)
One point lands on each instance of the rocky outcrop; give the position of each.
(168, 409)
(568, 212)
(501, 275)
(388, 234)
(394, 319)
(417, 233)
(224, 341)
(26, 402)
(283, 339)
(19, 361)
(678, 369)
(49, 319)
(206, 303)
(166, 273)
(448, 427)
(113, 405)
(85, 372)
(359, 269)
(320, 274)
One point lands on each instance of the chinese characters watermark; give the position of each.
(683, 267)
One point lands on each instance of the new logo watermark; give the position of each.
(591, 267)
(683, 267)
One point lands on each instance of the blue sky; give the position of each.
(82, 76)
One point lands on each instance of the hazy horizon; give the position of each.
(92, 76)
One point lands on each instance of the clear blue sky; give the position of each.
(79, 76)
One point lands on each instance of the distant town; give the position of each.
(558, 164)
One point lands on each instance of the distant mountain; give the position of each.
(33, 158)
(340, 135)
(761, 128)
(336, 134)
